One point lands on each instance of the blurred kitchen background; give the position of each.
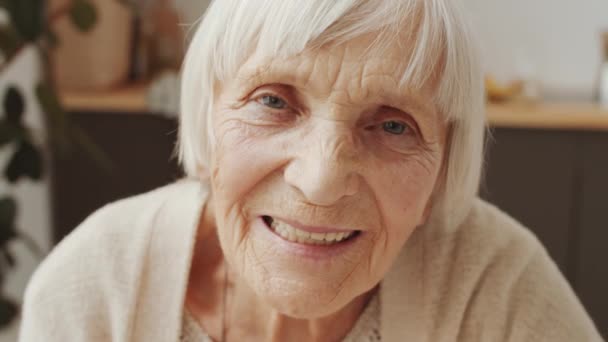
(89, 92)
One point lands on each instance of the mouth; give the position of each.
(309, 235)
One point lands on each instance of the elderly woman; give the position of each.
(334, 152)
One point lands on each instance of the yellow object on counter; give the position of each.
(497, 92)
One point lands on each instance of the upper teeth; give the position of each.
(297, 235)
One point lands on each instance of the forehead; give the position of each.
(358, 70)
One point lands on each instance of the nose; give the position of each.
(324, 167)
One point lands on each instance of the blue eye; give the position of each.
(273, 102)
(394, 127)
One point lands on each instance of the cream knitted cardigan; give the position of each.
(121, 276)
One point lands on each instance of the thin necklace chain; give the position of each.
(222, 335)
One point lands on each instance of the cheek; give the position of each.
(406, 190)
(402, 193)
(241, 159)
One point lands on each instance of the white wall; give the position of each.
(559, 39)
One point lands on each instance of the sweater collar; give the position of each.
(402, 294)
(165, 276)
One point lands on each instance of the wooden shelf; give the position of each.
(126, 99)
(587, 117)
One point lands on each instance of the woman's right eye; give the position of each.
(272, 109)
(273, 102)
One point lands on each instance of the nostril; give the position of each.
(321, 181)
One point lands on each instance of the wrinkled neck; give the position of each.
(252, 318)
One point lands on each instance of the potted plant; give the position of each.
(30, 26)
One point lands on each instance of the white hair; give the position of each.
(232, 30)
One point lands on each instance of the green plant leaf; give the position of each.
(63, 134)
(9, 258)
(50, 103)
(10, 132)
(27, 16)
(51, 38)
(92, 150)
(83, 15)
(14, 105)
(26, 162)
(8, 213)
(8, 310)
(10, 41)
(57, 118)
(30, 244)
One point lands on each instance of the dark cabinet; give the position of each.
(140, 148)
(591, 264)
(556, 184)
(531, 175)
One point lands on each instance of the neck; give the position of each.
(243, 315)
(268, 324)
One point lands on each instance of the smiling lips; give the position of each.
(308, 235)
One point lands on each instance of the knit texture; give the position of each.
(366, 329)
(122, 276)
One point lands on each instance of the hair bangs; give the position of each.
(440, 53)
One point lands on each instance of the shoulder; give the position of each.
(487, 239)
(109, 234)
(494, 234)
(94, 271)
(504, 280)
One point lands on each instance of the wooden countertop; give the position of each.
(127, 99)
(559, 116)
(555, 116)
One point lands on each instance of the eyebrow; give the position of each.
(406, 100)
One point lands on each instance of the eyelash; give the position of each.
(410, 126)
(406, 127)
(260, 100)
(409, 129)
(273, 116)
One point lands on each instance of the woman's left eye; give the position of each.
(273, 102)
(395, 127)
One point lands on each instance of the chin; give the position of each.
(300, 301)
(299, 279)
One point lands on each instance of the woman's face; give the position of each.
(316, 148)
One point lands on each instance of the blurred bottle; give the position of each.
(603, 79)
(160, 43)
(527, 76)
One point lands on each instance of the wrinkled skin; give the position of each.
(324, 138)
